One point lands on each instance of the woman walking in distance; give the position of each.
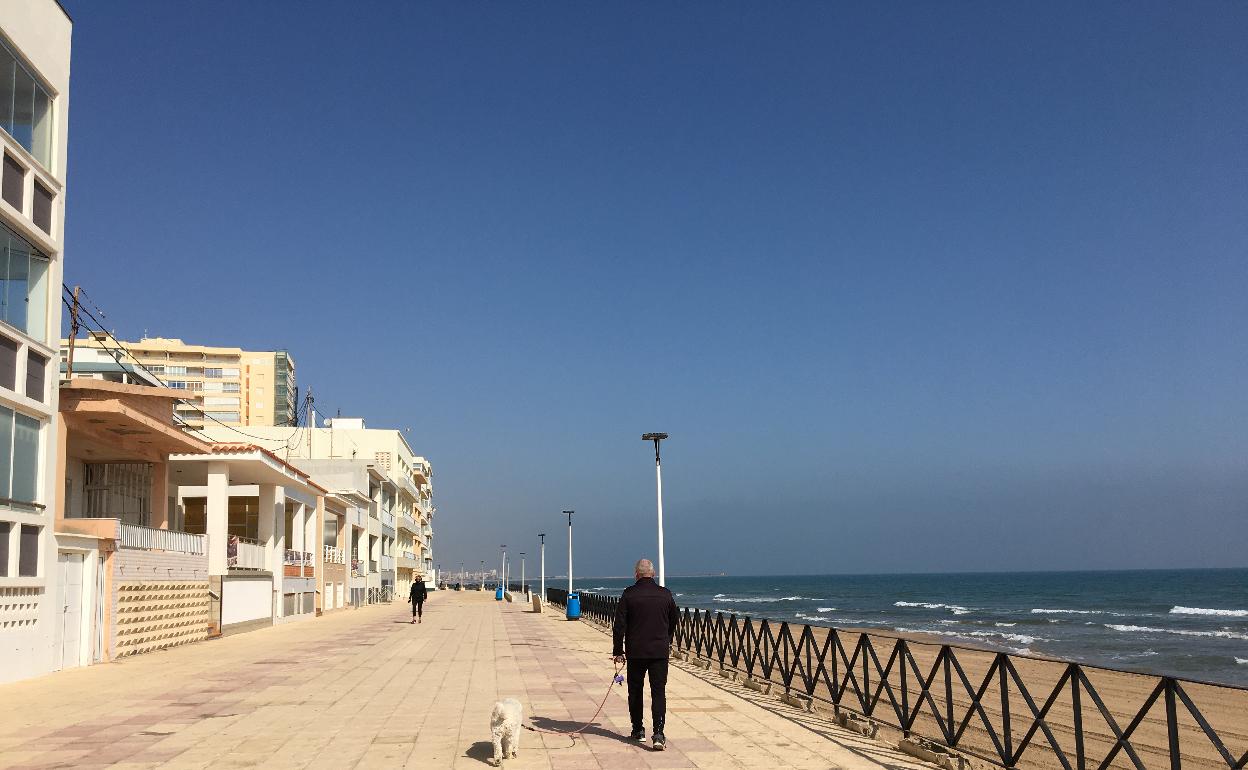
(417, 597)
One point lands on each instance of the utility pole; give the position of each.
(543, 537)
(522, 573)
(73, 333)
(311, 420)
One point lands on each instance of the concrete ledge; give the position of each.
(802, 702)
(855, 724)
(757, 685)
(537, 603)
(728, 673)
(929, 751)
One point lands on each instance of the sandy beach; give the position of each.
(1225, 708)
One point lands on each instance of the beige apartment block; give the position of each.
(222, 384)
(42, 578)
(404, 498)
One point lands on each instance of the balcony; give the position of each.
(408, 523)
(333, 555)
(298, 563)
(152, 539)
(244, 553)
(387, 563)
(387, 518)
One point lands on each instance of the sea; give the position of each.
(1185, 623)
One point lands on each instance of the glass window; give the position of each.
(175, 370)
(6, 450)
(36, 366)
(23, 285)
(8, 364)
(212, 373)
(229, 372)
(230, 387)
(12, 186)
(23, 107)
(28, 552)
(5, 528)
(7, 65)
(41, 131)
(25, 458)
(41, 208)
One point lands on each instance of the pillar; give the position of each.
(271, 523)
(217, 516)
(160, 496)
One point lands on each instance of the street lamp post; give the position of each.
(522, 589)
(569, 513)
(502, 575)
(481, 585)
(658, 482)
(543, 589)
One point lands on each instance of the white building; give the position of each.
(38, 580)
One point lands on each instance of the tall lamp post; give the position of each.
(658, 482)
(543, 589)
(502, 575)
(569, 514)
(522, 590)
(481, 585)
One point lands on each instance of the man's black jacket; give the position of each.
(645, 620)
(419, 592)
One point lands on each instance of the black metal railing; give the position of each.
(976, 701)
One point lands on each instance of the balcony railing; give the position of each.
(372, 567)
(408, 523)
(387, 518)
(298, 558)
(151, 539)
(244, 553)
(387, 563)
(333, 555)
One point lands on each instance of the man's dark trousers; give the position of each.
(637, 670)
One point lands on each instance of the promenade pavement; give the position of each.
(364, 688)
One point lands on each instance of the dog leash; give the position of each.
(615, 680)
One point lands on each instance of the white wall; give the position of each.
(245, 599)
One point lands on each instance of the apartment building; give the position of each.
(37, 579)
(404, 496)
(230, 385)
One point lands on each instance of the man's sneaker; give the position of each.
(660, 742)
(638, 734)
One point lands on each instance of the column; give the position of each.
(271, 523)
(217, 516)
(160, 496)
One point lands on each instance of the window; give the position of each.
(25, 107)
(229, 372)
(154, 368)
(230, 387)
(5, 528)
(177, 384)
(28, 552)
(175, 370)
(23, 285)
(41, 208)
(222, 416)
(212, 373)
(195, 386)
(13, 185)
(8, 363)
(212, 387)
(25, 458)
(221, 401)
(36, 366)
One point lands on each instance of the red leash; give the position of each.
(615, 679)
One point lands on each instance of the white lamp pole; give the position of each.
(543, 537)
(502, 574)
(658, 482)
(522, 591)
(569, 513)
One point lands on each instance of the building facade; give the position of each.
(403, 497)
(37, 580)
(222, 384)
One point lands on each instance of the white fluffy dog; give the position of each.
(505, 729)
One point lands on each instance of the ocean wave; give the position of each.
(1005, 625)
(825, 609)
(1241, 661)
(956, 609)
(1066, 612)
(762, 599)
(1178, 610)
(598, 588)
(1020, 638)
(1224, 634)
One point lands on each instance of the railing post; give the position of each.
(1007, 738)
(1172, 725)
(1077, 711)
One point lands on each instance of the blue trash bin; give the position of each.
(574, 606)
(498, 594)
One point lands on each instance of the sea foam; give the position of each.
(1066, 612)
(1224, 634)
(1178, 610)
(956, 609)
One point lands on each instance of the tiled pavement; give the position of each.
(363, 688)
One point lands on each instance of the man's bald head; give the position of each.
(644, 569)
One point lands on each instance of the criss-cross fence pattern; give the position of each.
(1014, 711)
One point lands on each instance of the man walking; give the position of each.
(645, 622)
(417, 597)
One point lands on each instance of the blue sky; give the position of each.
(917, 287)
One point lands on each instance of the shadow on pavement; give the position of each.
(566, 726)
(482, 751)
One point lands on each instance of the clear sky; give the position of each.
(912, 286)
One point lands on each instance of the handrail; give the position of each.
(139, 537)
(943, 697)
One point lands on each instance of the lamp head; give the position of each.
(653, 436)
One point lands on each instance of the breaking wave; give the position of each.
(1066, 612)
(762, 599)
(956, 609)
(1177, 610)
(1224, 634)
